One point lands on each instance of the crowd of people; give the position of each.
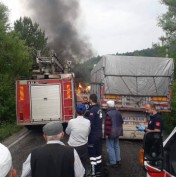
(55, 159)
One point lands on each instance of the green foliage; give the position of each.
(168, 22)
(3, 18)
(155, 51)
(169, 118)
(82, 71)
(14, 62)
(7, 129)
(31, 33)
(7, 98)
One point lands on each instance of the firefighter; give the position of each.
(6, 169)
(155, 123)
(87, 105)
(94, 140)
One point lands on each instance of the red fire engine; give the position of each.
(48, 96)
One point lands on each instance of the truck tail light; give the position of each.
(21, 116)
(142, 157)
(160, 99)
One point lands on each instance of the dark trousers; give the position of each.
(94, 151)
(83, 154)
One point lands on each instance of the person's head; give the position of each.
(6, 169)
(93, 99)
(53, 131)
(150, 108)
(85, 99)
(80, 109)
(111, 104)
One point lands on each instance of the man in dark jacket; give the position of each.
(94, 139)
(113, 129)
(53, 159)
(155, 123)
(87, 105)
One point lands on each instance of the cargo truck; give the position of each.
(133, 81)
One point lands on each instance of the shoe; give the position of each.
(118, 163)
(112, 165)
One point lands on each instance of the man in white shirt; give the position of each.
(79, 129)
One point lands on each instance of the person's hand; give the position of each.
(140, 128)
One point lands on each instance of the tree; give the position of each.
(15, 61)
(168, 22)
(31, 33)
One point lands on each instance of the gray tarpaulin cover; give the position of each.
(131, 75)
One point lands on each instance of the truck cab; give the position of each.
(158, 157)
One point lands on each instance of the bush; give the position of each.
(170, 118)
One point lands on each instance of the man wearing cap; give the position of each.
(113, 129)
(53, 159)
(6, 169)
(79, 129)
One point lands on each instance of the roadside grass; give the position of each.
(7, 129)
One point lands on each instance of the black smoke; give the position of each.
(59, 19)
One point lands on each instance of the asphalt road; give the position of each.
(129, 167)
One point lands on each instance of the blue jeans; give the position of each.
(113, 149)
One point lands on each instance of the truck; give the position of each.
(133, 81)
(157, 157)
(49, 95)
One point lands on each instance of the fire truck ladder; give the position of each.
(49, 65)
(67, 96)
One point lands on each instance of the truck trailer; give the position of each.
(133, 81)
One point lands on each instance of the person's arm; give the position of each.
(92, 118)
(78, 167)
(89, 127)
(68, 129)
(155, 130)
(157, 126)
(26, 170)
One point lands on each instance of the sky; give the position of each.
(112, 26)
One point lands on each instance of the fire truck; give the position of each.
(157, 157)
(133, 81)
(49, 95)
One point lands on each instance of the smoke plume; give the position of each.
(59, 19)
